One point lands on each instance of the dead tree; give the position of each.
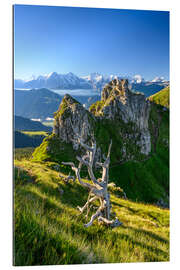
(98, 190)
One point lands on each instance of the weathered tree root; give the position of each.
(112, 223)
(99, 188)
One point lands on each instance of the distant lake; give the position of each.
(74, 92)
(77, 92)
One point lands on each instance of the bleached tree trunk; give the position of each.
(98, 189)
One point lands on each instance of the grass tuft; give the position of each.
(50, 231)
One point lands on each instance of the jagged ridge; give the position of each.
(139, 132)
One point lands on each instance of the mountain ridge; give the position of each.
(42, 103)
(21, 123)
(92, 81)
(139, 132)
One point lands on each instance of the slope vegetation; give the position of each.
(49, 229)
(144, 178)
(162, 97)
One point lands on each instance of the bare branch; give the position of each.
(81, 209)
(97, 214)
(98, 189)
(68, 163)
(109, 150)
(77, 171)
(112, 223)
(82, 161)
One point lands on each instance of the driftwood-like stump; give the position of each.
(98, 190)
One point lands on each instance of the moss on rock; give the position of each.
(53, 149)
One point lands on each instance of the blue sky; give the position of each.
(86, 40)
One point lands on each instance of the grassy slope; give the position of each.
(48, 229)
(162, 97)
(35, 133)
(147, 180)
(48, 123)
(23, 153)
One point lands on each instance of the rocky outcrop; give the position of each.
(121, 102)
(118, 104)
(71, 119)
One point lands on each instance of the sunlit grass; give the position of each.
(34, 133)
(49, 229)
(48, 123)
(23, 153)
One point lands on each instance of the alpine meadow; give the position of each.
(91, 149)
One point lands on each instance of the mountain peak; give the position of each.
(52, 74)
(117, 103)
(158, 79)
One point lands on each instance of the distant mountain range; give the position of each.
(55, 81)
(21, 123)
(42, 103)
(39, 103)
(92, 81)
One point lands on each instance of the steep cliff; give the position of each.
(119, 103)
(121, 115)
(71, 119)
(139, 130)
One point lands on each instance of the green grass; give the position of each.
(144, 179)
(64, 107)
(49, 230)
(96, 107)
(36, 133)
(23, 153)
(53, 149)
(48, 123)
(162, 97)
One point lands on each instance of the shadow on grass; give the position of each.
(154, 250)
(157, 218)
(148, 233)
(73, 194)
(49, 248)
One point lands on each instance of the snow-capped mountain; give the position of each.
(137, 79)
(92, 81)
(55, 81)
(159, 80)
(148, 87)
(18, 83)
(98, 80)
(136, 83)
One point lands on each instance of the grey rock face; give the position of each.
(119, 103)
(73, 119)
(130, 107)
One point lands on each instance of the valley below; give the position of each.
(49, 229)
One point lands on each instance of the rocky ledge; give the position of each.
(118, 105)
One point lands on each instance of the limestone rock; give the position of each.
(119, 103)
(71, 119)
